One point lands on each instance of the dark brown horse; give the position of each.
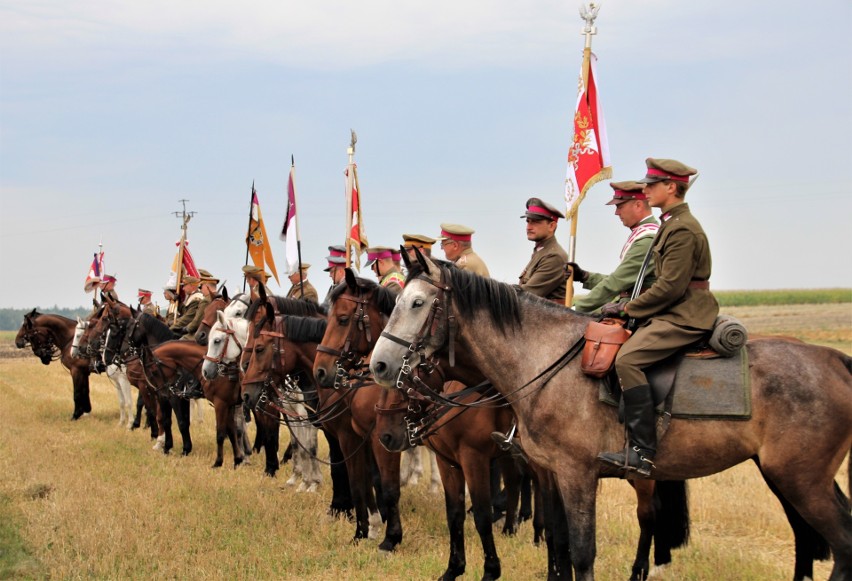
(50, 337)
(282, 344)
(563, 426)
(358, 313)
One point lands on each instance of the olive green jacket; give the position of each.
(681, 255)
(470, 260)
(310, 293)
(607, 288)
(187, 311)
(544, 275)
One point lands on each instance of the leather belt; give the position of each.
(700, 284)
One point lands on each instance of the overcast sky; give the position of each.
(111, 112)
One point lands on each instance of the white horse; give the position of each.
(225, 344)
(411, 470)
(117, 374)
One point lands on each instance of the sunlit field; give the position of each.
(89, 499)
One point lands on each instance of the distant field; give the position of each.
(783, 297)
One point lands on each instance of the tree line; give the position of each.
(12, 319)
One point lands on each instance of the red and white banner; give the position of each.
(290, 230)
(588, 156)
(356, 238)
(189, 268)
(96, 271)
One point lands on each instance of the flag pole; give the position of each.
(248, 231)
(296, 217)
(186, 217)
(588, 14)
(350, 180)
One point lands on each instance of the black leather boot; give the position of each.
(640, 419)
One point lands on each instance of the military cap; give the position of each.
(108, 278)
(396, 255)
(626, 191)
(660, 170)
(190, 280)
(338, 250)
(456, 232)
(256, 272)
(378, 253)
(334, 262)
(144, 293)
(206, 277)
(417, 241)
(538, 209)
(306, 265)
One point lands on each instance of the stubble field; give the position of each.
(88, 499)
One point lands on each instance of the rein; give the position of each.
(349, 360)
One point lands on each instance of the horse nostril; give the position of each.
(379, 367)
(385, 439)
(320, 374)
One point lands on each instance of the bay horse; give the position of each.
(51, 337)
(357, 316)
(282, 344)
(564, 427)
(226, 339)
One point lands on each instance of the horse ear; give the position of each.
(270, 313)
(422, 260)
(225, 294)
(132, 312)
(95, 303)
(405, 258)
(261, 291)
(351, 282)
(220, 316)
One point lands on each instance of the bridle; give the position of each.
(348, 359)
(42, 342)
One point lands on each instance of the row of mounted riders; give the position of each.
(293, 362)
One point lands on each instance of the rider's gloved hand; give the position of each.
(580, 275)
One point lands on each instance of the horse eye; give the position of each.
(217, 340)
(417, 303)
(343, 321)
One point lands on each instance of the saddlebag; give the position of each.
(603, 340)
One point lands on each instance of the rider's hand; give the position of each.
(580, 275)
(614, 310)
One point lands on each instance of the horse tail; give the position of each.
(672, 519)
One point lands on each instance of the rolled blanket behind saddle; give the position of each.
(729, 335)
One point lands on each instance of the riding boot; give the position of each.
(639, 417)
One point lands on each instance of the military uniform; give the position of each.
(544, 274)
(261, 276)
(424, 243)
(392, 278)
(677, 310)
(310, 293)
(619, 283)
(188, 307)
(463, 255)
(148, 308)
(470, 260)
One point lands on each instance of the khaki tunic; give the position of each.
(544, 275)
(186, 314)
(675, 314)
(470, 260)
(393, 280)
(310, 293)
(151, 309)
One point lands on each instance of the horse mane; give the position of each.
(286, 306)
(155, 328)
(472, 293)
(385, 299)
(305, 329)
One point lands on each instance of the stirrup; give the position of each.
(504, 441)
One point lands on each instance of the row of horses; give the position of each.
(452, 359)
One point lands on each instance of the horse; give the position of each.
(564, 427)
(226, 338)
(117, 374)
(358, 312)
(50, 337)
(282, 344)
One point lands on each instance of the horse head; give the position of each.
(224, 345)
(27, 330)
(217, 304)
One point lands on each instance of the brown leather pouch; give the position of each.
(603, 340)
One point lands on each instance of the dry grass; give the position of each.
(88, 499)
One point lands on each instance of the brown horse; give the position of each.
(564, 427)
(51, 338)
(280, 345)
(358, 313)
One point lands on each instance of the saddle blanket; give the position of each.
(705, 389)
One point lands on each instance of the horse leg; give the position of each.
(555, 525)
(140, 405)
(128, 396)
(270, 440)
(476, 472)
(512, 486)
(166, 423)
(646, 514)
(357, 466)
(223, 419)
(231, 431)
(293, 451)
(434, 475)
(311, 473)
(453, 480)
(341, 499)
(112, 375)
(578, 490)
(809, 545)
(415, 465)
(241, 427)
(80, 381)
(181, 407)
(388, 464)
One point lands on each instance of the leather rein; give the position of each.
(349, 361)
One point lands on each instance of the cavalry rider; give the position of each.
(207, 286)
(456, 244)
(107, 286)
(676, 311)
(255, 277)
(412, 241)
(380, 260)
(544, 274)
(171, 295)
(631, 206)
(189, 306)
(145, 304)
(302, 289)
(336, 270)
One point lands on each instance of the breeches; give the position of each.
(648, 345)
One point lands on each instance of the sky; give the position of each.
(111, 112)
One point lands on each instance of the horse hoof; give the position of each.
(217, 464)
(657, 570)
(387, 547)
